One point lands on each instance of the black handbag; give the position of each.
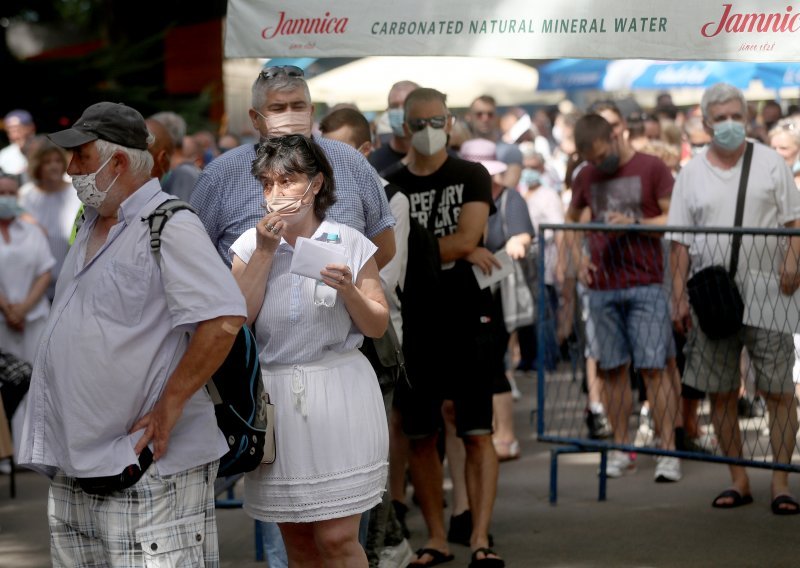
(386, 356)
(713, 292)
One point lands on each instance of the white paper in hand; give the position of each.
(486, 280)
(311, 256)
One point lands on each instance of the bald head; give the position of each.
(161, 149)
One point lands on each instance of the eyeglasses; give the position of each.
(289, 70)
(417, 124)
(786, 124)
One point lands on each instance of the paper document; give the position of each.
(486, 280)
(311, 256)
(766, 307)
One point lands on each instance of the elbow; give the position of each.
(378, 326)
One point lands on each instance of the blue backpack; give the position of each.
(242, 407)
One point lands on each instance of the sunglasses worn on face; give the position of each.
(289, 70)
(417, 124)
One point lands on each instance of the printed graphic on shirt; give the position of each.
(448, 210)
(620, 195)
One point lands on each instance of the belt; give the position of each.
(112, 483)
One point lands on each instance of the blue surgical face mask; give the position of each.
(729, 134)
(396, 118)
(9, 208)
(531, 177)
(796, 167)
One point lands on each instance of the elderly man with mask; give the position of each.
(706, 196)
(386, 158)
(117, 415)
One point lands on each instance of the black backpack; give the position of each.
(240, 403)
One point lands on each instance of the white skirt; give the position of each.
(332, 442)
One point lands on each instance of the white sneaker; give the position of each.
(619, 464)
(668, 469)
(397, 556)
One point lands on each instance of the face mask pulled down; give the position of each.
(288, 205)
(86, 186)
(429, 140)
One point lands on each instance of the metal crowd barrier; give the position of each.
(561, 399)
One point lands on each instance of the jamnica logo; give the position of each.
(305, 26)
(734, 23)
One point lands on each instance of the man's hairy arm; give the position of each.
(471, 223)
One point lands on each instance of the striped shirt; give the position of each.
(228, 197)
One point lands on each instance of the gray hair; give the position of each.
(720, 93)
(141, 161)
(283, 83)
(174, 123)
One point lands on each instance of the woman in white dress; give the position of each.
(25, 263)
(330, 425)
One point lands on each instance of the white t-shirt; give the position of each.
(705, 196)
(12, 160)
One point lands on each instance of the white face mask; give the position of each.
(288, 205)
(289, 122)
(86, 186)
(429, 141)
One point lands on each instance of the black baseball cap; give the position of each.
(112, 122)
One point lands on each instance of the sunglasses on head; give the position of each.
(417, 124)
(289, 70)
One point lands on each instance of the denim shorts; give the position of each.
(631, 323)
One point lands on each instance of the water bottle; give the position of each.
(324, 295)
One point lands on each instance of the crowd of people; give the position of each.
(121, 341)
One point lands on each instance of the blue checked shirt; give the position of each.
(228, 197)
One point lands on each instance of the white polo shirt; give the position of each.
(117, 329)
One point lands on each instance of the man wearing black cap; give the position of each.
(117, 417)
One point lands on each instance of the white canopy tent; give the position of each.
(366, 82)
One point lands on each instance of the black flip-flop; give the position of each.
(437, 557)
(486, 562)
(784, 499)
(738, 499)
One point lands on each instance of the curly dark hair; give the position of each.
(297, 154)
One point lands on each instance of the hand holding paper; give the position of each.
(311, 257)
(486, 280)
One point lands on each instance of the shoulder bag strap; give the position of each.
(502, 213)
(737, 222)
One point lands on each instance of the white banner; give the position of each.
(743, 30)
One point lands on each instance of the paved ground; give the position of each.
(641, 524)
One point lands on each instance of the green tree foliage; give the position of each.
(127, 65)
